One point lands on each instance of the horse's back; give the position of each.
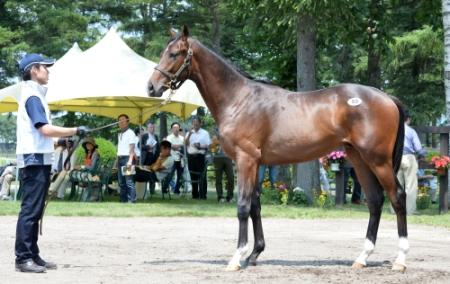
(309, 124)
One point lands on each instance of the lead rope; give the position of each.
(50, 195)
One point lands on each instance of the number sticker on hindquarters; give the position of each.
(354, 102)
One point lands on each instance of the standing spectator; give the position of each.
(356, 191)
(197, 142)
(126, 158)
(6, 178)
(177, 141)
(324, 183)
(222, 164)
(139, 132)
(273, 171)
(407, 174)
(150, 145)
(349, 171)
(150, 150)
(34, 158)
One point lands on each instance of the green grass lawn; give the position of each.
(186, 207)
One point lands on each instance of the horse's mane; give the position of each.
(232, 65)
(238, 69)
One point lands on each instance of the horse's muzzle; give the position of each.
(150, 90)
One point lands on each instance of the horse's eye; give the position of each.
(174, 55)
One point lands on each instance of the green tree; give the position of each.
(7, 128)
(415, 73)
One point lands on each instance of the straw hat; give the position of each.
(89, 140)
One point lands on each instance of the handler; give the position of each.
(34, 158)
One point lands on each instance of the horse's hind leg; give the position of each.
(255, 214)
(397, 196)
(374, 198)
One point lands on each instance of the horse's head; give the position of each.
(173, 67)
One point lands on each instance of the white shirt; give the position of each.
(202, 137)
(167, 164)
(175, 140)
(126, 139)
(137, 149)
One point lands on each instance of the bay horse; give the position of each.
(265, 124)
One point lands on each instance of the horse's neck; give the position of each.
(218, 83)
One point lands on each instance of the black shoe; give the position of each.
(29, 266)
(47, 264)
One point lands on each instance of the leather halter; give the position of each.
(175, 81)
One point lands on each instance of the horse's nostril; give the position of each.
(150, 89)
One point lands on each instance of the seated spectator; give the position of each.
(92, 157)
(90, 164)
(273, 172)
(164, 164)
(429, 181)
(59, 169)
(6, 178)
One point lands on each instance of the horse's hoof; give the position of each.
(398, 267)
(233, 267)
(357, 265)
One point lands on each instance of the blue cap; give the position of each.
(30, 59)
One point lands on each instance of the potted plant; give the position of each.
(440, 163)
(336, 159)
(423, 200)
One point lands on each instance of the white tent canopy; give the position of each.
(106, 79)
(10, 95)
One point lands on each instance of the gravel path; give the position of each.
(196, 250)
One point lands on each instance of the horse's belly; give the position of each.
(295, 150)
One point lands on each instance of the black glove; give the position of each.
(83, 131)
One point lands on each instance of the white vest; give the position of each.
(29, 139)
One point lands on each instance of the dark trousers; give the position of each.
(356, 195)
(356, 192)
(126, 183)
(197, 166)
(34, 183)
(221, 165)
(179, 169)
(148, 158)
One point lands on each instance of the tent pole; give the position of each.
(140, 136)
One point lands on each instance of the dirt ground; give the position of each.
(196, 250)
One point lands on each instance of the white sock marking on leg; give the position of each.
(236, 260)
(368, 249)
(403, 248)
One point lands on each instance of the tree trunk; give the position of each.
(306, 175)
(373, 53)
(446, 20)
(162, 125)
(215, 33)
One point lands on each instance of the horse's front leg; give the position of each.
(247, 168)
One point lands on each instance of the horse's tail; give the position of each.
(398, 148)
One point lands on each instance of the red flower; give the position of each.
(440, 161)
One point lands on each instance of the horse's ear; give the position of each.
(185, 32)
(173, 33)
